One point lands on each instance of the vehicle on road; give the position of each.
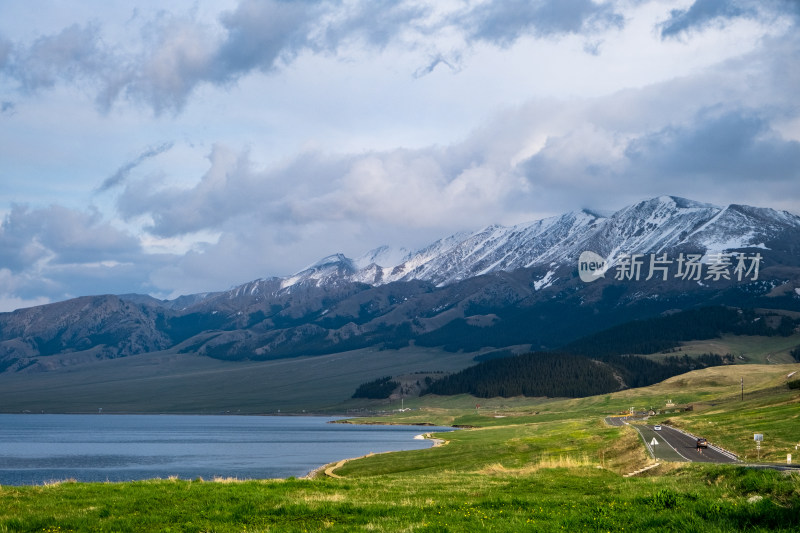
(702, 443)
(657, 428)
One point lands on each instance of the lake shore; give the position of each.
(37, 449)
(329, 468)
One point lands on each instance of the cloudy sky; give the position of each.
(195, 147)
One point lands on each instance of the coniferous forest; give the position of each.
(556, 374)
(532, 374)
(602, 362)
(378, 389)
(665, 332)
(796, 354)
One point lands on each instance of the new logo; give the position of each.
(591, 266)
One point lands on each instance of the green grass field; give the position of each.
(187, 383)
(747, 349)
(524, 465)
(166, 382)
(708, 499)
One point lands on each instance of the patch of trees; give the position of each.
(639, 371)
(796, 354)
(555, 374)
(532, 374)
(378, 389)
(663, 333)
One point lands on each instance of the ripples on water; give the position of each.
(36, 449)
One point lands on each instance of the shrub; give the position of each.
(378, 389)
(665, 499)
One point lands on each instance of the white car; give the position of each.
(657, 428)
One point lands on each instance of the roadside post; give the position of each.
(758, 437)
(788, 458)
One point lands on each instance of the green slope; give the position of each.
(185, 383)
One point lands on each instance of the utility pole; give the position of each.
(742, 388)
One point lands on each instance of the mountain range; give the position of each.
(517, 287)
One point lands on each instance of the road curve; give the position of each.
(670, 444)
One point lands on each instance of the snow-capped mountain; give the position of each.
(499, 286)
(663, 224)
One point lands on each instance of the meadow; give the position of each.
(577, 498)
(747, 349)
(521, 465)
(167, 382)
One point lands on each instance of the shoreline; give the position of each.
(361, 444)
(329, 468)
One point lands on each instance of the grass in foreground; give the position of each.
(706, 499)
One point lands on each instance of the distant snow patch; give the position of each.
(546, 281)
(288, 282)
(719, 244)
(384, 256)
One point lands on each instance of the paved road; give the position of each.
(674, 445)
(616, 420)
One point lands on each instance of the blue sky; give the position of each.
(194, 147)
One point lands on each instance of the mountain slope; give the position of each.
(496, 287)
(663, 224)
(611, 359)
(107, 326)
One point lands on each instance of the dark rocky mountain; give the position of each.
(500, 287)
(77, 330)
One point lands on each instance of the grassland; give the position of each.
(747, 349)
(186, 383)
(708, 499)
(166, 382)
(524, 465)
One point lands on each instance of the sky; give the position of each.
(190, 148)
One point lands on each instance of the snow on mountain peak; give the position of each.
(328, 261)
(332, 267)
(651, 226)
(383, 256)
(685, 203)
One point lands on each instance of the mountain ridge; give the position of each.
(655, 225)
(497, 286)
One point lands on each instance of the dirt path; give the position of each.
(330, 468)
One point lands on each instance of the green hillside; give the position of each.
(748, 348)
(668, 332)
(168, 382)
(526, 465)
(635, 354)
(186, 383)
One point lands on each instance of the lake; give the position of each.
(37, 449)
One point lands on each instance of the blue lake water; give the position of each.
(36, 449)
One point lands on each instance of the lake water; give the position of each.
(36, 449)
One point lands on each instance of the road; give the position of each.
(674, 445)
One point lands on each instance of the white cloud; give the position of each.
(224, 142)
